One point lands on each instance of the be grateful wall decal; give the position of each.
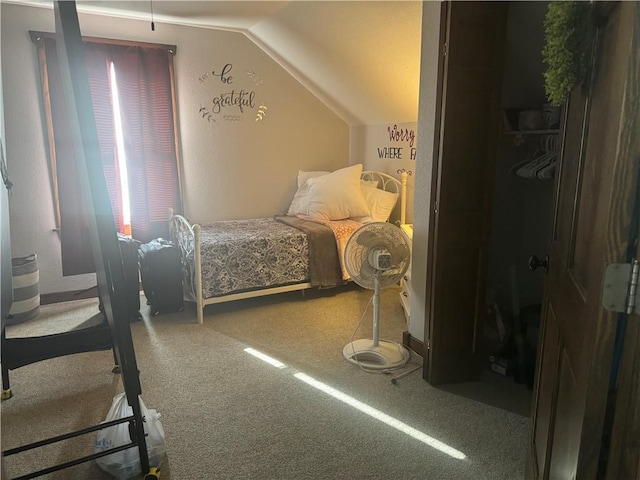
(234, 101)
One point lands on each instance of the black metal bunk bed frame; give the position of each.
(115, 331)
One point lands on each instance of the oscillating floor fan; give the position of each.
(376, 256)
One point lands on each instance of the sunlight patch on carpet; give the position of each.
(265, 358)
(363, 407)
(382, 417)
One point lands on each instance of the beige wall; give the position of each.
(237, 169)
(424, 162)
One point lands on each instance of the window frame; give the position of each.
(38, 39)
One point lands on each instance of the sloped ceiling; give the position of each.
(361, 58)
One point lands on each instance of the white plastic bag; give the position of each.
(126, 463)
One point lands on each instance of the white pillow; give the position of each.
(304, 176)
(336, 195)
(380, 202)
(300, 199)
(371, 183)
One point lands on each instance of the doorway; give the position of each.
(593, 212)
(520, 223)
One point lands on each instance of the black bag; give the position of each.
(161, 273)
(129, 253)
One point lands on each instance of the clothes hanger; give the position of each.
(530, 170)
(532, 157)
(544, 161)
(548, 171)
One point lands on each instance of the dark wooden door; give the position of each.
(464, 166)
(594, 185)
(624, 453)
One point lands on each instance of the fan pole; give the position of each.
(376, 256)
(376, 310)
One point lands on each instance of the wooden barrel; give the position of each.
(26, 289)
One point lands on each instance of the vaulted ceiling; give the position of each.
(361, 58)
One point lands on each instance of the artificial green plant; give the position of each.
(566, 29)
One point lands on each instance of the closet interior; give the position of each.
(521, 218)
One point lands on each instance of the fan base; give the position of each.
(386, 356)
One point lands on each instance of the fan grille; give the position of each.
(388, 241)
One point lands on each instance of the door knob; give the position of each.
(535, 262)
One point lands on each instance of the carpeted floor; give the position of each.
(228, 415)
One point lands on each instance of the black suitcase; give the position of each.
(161, 274)
(129, 253)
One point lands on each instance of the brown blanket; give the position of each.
(342, 230)
(324, 263)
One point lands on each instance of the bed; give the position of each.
(237, 259)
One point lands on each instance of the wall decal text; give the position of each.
(406, 137)
(235, 100)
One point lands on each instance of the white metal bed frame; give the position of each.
(187, 237)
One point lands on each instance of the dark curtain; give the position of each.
(144, 81)
(99, 72)
(144, 87)
(74, 230)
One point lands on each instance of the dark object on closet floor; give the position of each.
(161, 273)
(535, 262)
(498, 332)
(502, 365)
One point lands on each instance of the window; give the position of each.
(122, 156)
(133, 97)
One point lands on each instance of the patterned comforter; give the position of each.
(242, 255)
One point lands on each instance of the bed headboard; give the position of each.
(385, 181)
(391, 184)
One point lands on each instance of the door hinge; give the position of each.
(620, 292)
(445, 49)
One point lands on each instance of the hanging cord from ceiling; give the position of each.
(153, 25)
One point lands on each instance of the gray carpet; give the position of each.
(229, 415)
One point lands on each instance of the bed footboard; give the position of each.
(187, 238)
(198, 272)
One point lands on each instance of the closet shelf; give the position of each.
(519, 136)
(532, 132)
